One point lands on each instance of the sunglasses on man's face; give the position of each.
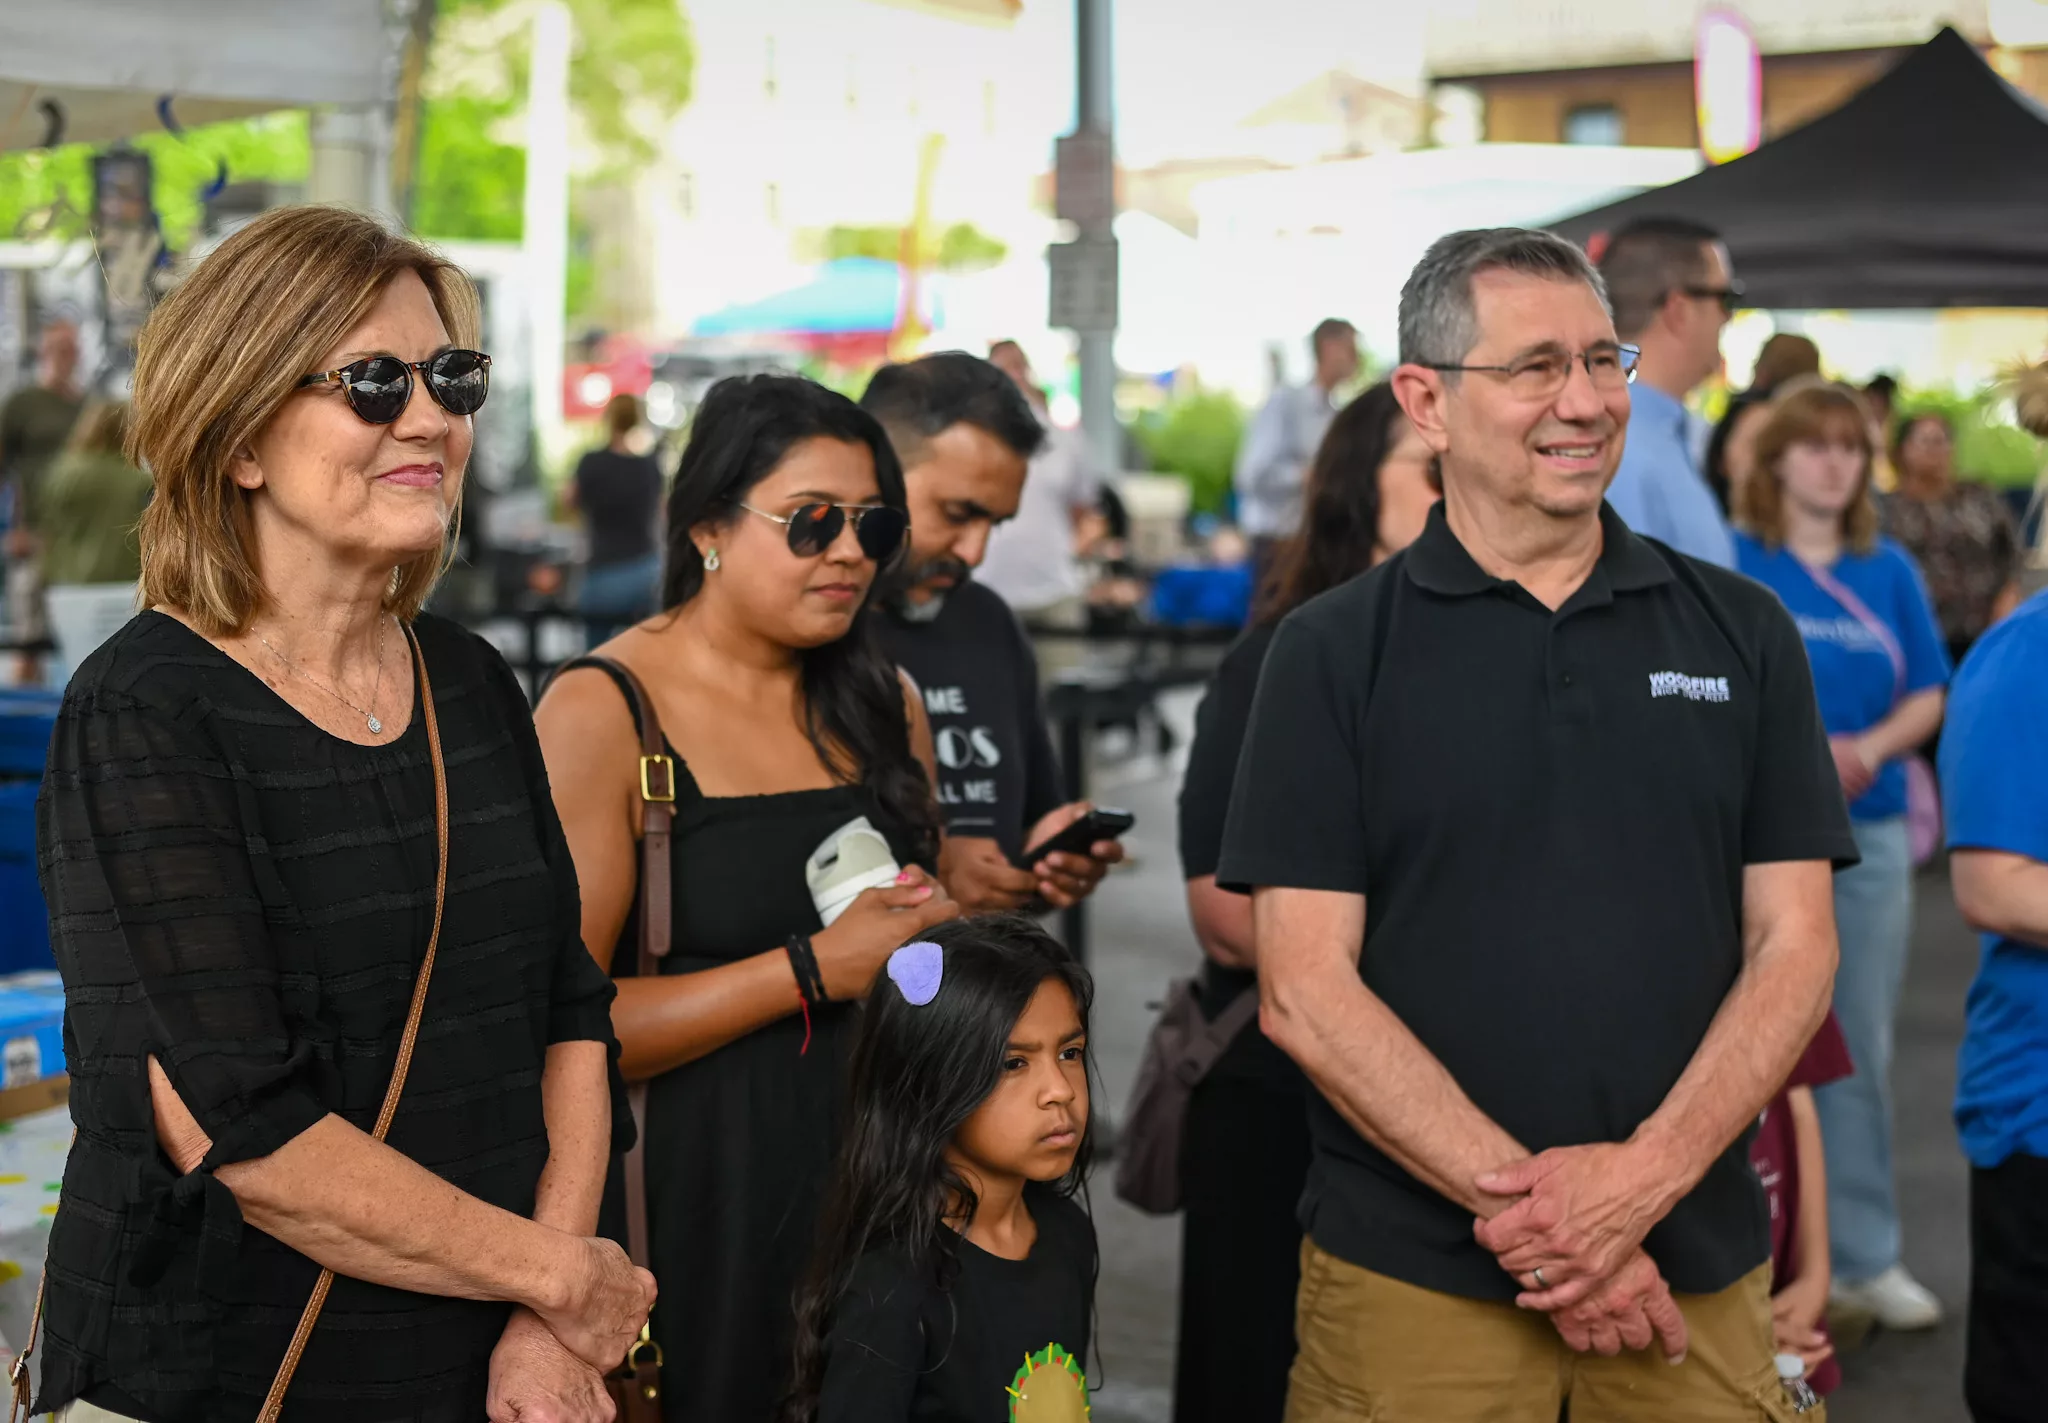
(1729, 297)
(813, 528)
(378, 388)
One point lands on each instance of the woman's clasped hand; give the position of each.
(851, 953)
(599, 1303)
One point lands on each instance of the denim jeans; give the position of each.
(1874, 918)
(617, 595)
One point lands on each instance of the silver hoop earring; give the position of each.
(711, 561)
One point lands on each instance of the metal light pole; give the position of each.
(1084, 301)
(546, 218)
(1084, 276)
(1094, 24)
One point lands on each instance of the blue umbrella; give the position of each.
(853, 294)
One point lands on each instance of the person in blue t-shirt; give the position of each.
(1879, 669)
(1994, 776)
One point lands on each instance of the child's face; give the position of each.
(1031, 1124)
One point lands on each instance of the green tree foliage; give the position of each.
(48, 192)
(1196, 435)
(961, 247)
(630, 68)
(471, 185)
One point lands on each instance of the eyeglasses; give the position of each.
(379, 388)
(1729, 296)
(813, 528)
(1544, 374)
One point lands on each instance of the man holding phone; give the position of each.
(966, 436)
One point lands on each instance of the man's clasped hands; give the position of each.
(1578, 1214)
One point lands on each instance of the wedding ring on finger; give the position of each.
(1537, 1275)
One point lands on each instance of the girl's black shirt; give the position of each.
(903, 1350)
(247, 898)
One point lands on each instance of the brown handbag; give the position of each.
(18, 1406)
(1179, 1052)
(635, 1386)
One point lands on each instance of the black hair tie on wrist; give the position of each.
(810, 981)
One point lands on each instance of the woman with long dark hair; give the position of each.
(955, 1272)
(1245, 1155)
(785, 759)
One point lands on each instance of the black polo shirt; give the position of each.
(1549, 815)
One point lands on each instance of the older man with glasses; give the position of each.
(1538, 818)
(1672, 291)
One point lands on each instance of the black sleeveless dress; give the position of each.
(740, 1142)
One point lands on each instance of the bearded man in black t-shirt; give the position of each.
(966, 437)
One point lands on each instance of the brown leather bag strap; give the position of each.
(19, 1400)
(657, 815)
(657, 787)
(274, 1401)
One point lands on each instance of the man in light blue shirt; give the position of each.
(1281, 443)
(1672, 290)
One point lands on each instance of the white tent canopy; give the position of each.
(97, 69)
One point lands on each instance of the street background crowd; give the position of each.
(1065, 579)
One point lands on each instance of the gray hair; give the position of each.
(1438, 322)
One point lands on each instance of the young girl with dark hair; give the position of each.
(782, 733)
(955, 1273)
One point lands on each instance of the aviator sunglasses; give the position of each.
(813, 528)
(379, 387)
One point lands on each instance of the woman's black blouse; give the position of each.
(248, 898)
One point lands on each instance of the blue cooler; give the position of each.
(1203, 596)
(27, 719)
(24, 922)
(31, 1028)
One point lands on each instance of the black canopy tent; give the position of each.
(1923, 190)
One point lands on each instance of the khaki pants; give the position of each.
(1375, 1350)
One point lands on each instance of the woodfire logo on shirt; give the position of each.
(1693, 689)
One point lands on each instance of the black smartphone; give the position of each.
(1105, 822)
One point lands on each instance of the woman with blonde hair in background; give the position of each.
(1809, 532)
(281, 804)
(92, 500)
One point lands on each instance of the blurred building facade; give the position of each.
(1621, 71)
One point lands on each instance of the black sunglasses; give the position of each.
(1729, 296)
(379, 387)
(813, 528)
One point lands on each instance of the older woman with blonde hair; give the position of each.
(340, 1060)
(1880, 670)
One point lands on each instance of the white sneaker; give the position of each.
(854, 857)
(1895, 1299)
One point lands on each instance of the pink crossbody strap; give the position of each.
(1876, 626)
